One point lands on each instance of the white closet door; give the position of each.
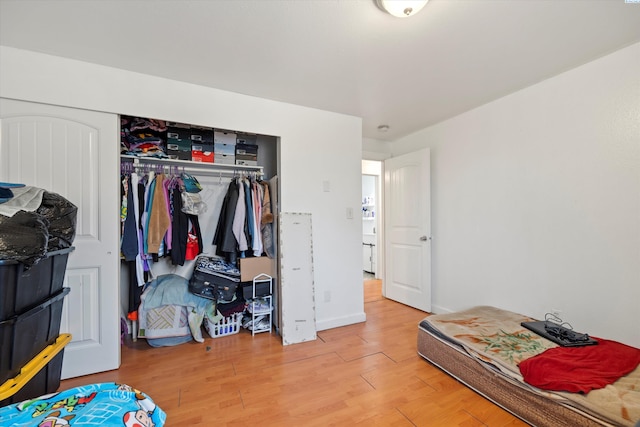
(297, 295)
(75, 153)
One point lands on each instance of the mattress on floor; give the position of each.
(482, 346)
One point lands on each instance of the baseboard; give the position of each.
(437, 309)
(337, 322)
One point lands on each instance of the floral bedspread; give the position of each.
(493, 335)
(497, 337)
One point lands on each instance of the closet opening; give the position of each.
(200, 169)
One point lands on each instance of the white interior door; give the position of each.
(407, 222)
(74, 153)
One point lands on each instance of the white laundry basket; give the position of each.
(227, 326)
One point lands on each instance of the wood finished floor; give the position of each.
(366, 374)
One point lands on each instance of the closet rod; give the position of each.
(176, 166)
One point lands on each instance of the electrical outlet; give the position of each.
(327, 296)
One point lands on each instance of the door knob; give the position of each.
(425, 238)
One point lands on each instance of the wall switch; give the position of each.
(326, 186)
(349, 213)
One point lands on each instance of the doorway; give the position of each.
(369, 226)
(371, 208)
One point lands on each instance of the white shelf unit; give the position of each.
(264, 310)
(368, 211)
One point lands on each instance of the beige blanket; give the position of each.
(496, 336)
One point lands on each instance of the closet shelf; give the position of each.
(190, 166)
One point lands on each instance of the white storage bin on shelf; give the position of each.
(261, 306)
(227, 326)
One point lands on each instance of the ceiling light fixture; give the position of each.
(383, 128)
(401, 8)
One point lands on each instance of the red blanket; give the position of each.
(580, 369)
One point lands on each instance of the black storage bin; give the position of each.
(262, 289)
(22, 337)
(46, 381)
(21, 290)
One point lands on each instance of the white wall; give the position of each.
(374, 149)
(536, 200)
(316, 146)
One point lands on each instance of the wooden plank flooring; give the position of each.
(366, 374)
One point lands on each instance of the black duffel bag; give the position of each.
(214, 279)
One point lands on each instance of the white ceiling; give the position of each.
(345, 56)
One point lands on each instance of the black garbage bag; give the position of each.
(23, 237)
(61, 215)
(27, 237)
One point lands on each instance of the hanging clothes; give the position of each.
(129, 242)
(138, 198)
(153, 226)
(148, 200)
(267, 222)
(179, 229)
(242, 223)
(154, 222)
(167, 200)
(250, 217)
(194, 238)
(225, 241)
(239, 220)
(257, 206)
(159, 217)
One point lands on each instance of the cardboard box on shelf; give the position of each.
(199, 146)
(254, 266)
(178, 131)
(225, 159)
(223, 148)
(220, 137)
(179, 149)
(246, 149)
(245, 138)
(243, 162)
(180, 143)
(202, 134)
(202, 151)
(202, 156)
